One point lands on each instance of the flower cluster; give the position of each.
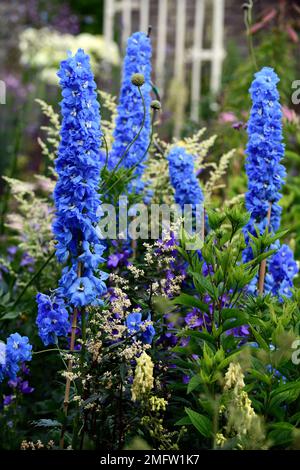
(144, 329)
(130, 110)
(282, 269)
(266, 177)
(143, 378)
(76, 193)
(13, 354)
(18, 385)
(43, 49)
(264, 151)
(52, 319)
(183, 178)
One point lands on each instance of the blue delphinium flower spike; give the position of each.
(183, 178)
(77, 201)
(266, 174)
(130, 110)
(76, 193)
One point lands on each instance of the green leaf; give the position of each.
(284, 394)
(193, 383)
(281, 433)
(10, 315)
(262, 343)
(183, 421)
(198, 334)
(201, 422)
(46, 423)
(229, 359)
(204, 285)
(190, 301)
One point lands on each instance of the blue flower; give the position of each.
(76, 193)
(52, 319)
(266, 176)
(282, 269)
(183, 178)
(264, 152)
(130, 110)
(18, 350)
(148, 332)
(144, 329)
(133, 322)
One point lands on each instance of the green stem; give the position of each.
(133, 141)
(33, 279)
(140, 160)
(248, 22)
(106, 151)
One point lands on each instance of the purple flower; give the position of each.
(194, 319)
(8, 399)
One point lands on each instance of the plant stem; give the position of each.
(140, 160)
(263, 264)
(133, 140)
(248, 22)
(33, 279)
(69, 369)
(106, 152)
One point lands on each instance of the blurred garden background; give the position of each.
(202, 66)
(205, 56)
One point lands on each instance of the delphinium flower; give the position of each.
(282, 270)
(76, 193)
(143, 329)
(266, 175)
(130, 111)
(18, 385)
(52, 319)
(13, 354)
(183, 178)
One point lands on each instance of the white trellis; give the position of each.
(194, 54)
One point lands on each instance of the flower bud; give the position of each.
(138, 79)
(155, 104)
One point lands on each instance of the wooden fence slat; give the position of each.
(179, 62)
(180, 40)
(126, 21)
(144, 15)
(195, 55)
(161, 49)
(217, 45)
(109, 12)
(197, 59)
